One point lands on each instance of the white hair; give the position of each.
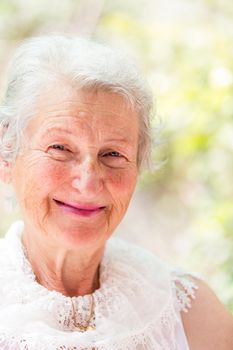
(42, 61)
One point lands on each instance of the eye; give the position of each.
(59, 147)
(60, 152)
(114, 154)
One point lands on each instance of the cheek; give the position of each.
(34, 182)
(50, 173)
(123, 183)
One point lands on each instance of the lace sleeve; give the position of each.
(184, 289)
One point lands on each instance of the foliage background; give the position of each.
(183, 211)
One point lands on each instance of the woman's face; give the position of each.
(77, 168)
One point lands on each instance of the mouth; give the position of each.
(85, 210)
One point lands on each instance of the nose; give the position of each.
(88, 179)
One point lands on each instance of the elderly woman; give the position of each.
(74, 135)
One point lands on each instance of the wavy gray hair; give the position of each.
(42, 61)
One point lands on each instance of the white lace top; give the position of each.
(137, 306)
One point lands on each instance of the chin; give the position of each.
(78, 236)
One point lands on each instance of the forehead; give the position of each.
(101, 111)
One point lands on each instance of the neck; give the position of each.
(70, 272)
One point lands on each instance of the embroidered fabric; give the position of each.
(136, 307)
(184, 289)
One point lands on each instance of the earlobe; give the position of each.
(5, 171)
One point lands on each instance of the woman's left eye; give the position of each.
(113, 154)
(114, 159)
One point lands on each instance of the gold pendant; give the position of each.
(83, 329)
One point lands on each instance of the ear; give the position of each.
(5, 171)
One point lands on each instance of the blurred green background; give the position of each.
(182, 209)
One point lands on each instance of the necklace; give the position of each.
(89, 324)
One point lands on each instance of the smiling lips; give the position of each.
(80, 209)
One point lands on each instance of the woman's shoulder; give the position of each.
(207, 324)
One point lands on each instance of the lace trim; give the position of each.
(158, 335)
(184, 289)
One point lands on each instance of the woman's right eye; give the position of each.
(59, 152)
(59, 147)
